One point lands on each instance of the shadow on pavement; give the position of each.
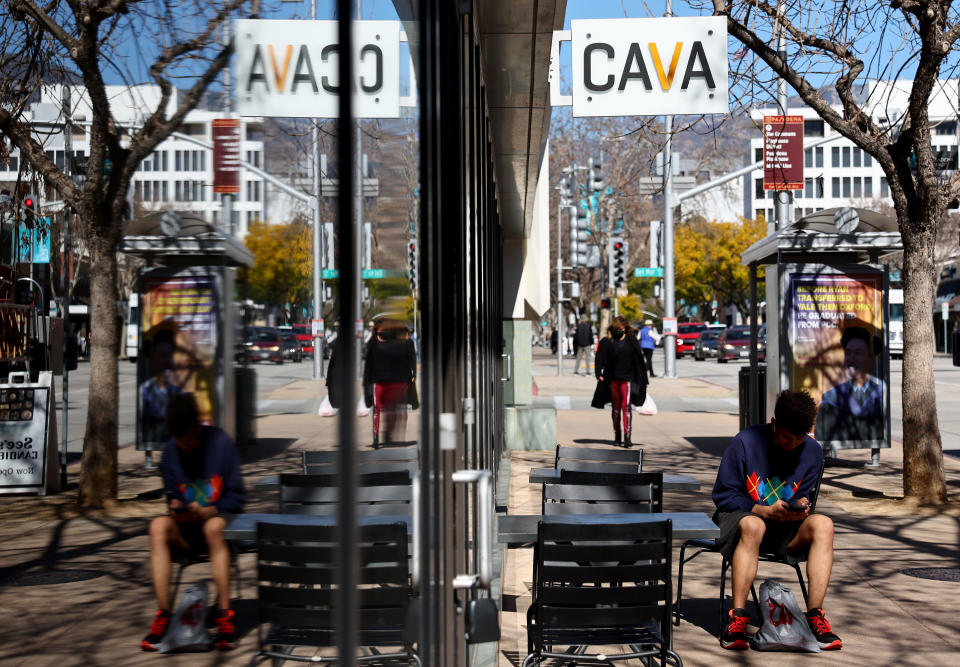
(715, 446)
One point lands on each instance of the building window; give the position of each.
(14, 163)
(884, 187)
(138, 191)
(835, 156)
(819, 157)
(813, 128)
(947, 127)
(857, 191)
(868, 186)
(770, 214)
(177, 161)
(195, 160)
(856, 157)
(846, 186)
(147, 194)
(808, 187)
(164, 156)
(177, 190)
(846, 156)
(758, 189)
(835, 186)
(203, 161)
(808, 158)
(867, 159)
(166, 191)
(757, 154)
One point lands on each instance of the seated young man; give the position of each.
(766, 470)
(201, 476)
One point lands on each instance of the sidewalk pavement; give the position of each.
(79, 586)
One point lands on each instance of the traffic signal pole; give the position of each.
(559, 290)
(669, 304)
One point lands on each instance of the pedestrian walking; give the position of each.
(389, 371)
(621, 373)
(648, 341)
(553, 342)
(582, 342)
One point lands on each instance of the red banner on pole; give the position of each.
(783, 153)
(226, 156)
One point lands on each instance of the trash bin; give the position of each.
(245, 378)
(746, 419)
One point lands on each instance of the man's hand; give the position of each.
(192, 512)
(779, 511)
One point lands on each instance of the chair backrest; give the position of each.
(815, 493)
(600, 493)
(577, 588)
(362, 468)
(599, 467)
(298, 580)
(382, 455)
(377, 494)
(567, 454)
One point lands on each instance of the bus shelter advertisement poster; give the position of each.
(837, 333)
(177, 351)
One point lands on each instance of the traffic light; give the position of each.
(618, 262)
(412, 267)
(30, 208)
(604, 303)
(596, 178)
(579, 236)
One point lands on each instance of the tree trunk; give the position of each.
(923, 476)
(98, 473)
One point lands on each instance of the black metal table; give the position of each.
(518, 529)
(552, 475)
(244, 526)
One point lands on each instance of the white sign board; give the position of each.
(316, 328)
(650, 66)
(669, 326)
(289, 69)
(23, 437)
(944, 310)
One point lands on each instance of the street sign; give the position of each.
(944, 310)
(783, 153)
(226, 156)
(331, 273)
(648, 66)
(669, 326)
(316, 328)
(648, 272)
(374, 274)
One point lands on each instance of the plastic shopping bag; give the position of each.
(188, 627)
(784, 625)
(327, 410)
(648, 407)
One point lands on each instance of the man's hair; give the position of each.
(859, 333)
(182, 414)
(796, 411)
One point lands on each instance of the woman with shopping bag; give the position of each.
(621, 377)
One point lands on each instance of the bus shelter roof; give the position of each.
(178, 239)
(816, 237)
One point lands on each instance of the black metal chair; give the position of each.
(377, 494)
(597, 459)
(710, 546)
(580, 604)
(387, 459)
(603, 493)
(298, 586)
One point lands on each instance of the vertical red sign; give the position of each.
(226, 156)
(783, 152)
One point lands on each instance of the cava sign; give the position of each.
(290, 69)
(649, 67)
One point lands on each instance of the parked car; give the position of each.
(762, 343)
(265, 345)
(687, 334)
(734, 343)
(706, 345)
(291, 345)
(304, 334)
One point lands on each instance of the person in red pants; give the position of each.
(390, 368)
(621, 377)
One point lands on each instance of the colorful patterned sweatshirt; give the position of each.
(221, 484)
(754, 470)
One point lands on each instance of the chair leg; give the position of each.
(176, 585)
(674, 658)
(803, 588)
(756, 600)
(723, 592)
(676, 609)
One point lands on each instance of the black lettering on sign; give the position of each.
(378, 55)
(588, 69)
(704, 73)
(327, 51)
(635, 55)
(299, 76)
(255, 74)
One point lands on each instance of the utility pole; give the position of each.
(317, 242)
(227, 198)
(67, 332)
(357, 228)
(669, 305)
(784, 197)
(559, 291)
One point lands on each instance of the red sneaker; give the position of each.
(161, 621)
(821, 630)
(226, 631)
(734, 635)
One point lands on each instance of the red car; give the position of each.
(734, 343)
(305, 336)
(687, 335)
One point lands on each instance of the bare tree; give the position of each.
(841, 52)
(170, 44)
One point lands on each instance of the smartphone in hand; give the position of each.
(797, 508)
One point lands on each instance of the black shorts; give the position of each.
(775, 539)
(192, 533)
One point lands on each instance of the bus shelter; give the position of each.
(827, 323)
(188, 324)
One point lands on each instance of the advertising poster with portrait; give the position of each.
(836, 351)
(178, 350)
